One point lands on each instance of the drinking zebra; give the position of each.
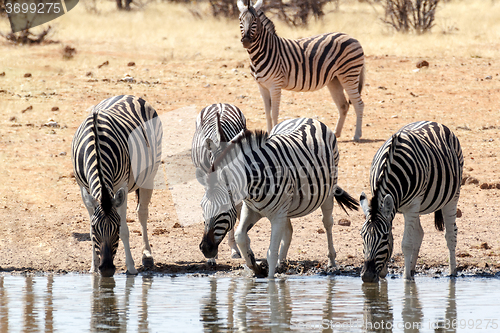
(117, 150)
(216, 125)
(287, 174)
(335, 60)
(417, 171)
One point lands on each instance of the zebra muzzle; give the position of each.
(208, 246)
(106, 267)
(369, 272)
(246, 42)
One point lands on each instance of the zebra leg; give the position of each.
(337, 93)
(90, 203)
(279, 225)
(352, 90)
(248, 220)
(285, 242)
(327, 209)
(449, 216)
(235, 253)
(275, 105)
(411, 239)
(266, 96)
(144, 197)
(124, 236)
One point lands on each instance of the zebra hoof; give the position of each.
(356, 139)
(235, 254)
(261, 270)
(211, 262)
(148, 262)
(132, 273)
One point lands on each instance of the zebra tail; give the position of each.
(362, 77)
(439, 220)
(345, 200)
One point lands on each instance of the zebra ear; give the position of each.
(241, 6)
(210, 145)
(89, 201)
(201, 177)
(257, 5)
(363, 201)
(388, 206)
(120, 196)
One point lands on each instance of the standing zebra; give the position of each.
(417, 171)
(287, 174)
(117, 150)
(335, 60)
(216, 125)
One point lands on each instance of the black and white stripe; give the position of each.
(285, 175)
(117, 150)
(417, 171)
(216, 125)
(335, 60)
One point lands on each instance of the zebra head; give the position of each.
(105, 226)
(377, 237)
(250, 24)
(219, 209)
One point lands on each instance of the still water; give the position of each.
(83, 303)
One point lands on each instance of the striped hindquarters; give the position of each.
(301, 154)
(219, 122)
(423, 159)
(129, 138)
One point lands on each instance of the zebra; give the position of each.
(286, 174)
(335, 60)
(117, 150)
(417, 171)
(215, 126)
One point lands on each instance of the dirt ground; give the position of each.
(44, 226)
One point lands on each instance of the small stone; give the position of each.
(485, 246)
(27, 75)
(484, 186)
(344, 222)
(177, 225)
(321, 231)
(130, 64)
(55, 108)
(422, 63)
(459, 213)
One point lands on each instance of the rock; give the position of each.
(459, 213)
(103, 64)
(422, 63)
(55, 108)
(130, 64)
(177, 225)
(344, 222)
(68, 52)
(321, 231)
(27, 75)
(29, 108)
(485, 246)
(484, 186)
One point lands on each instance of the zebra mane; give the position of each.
(266, 22)
(384, 173)
(257, 136)
(106, 202)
